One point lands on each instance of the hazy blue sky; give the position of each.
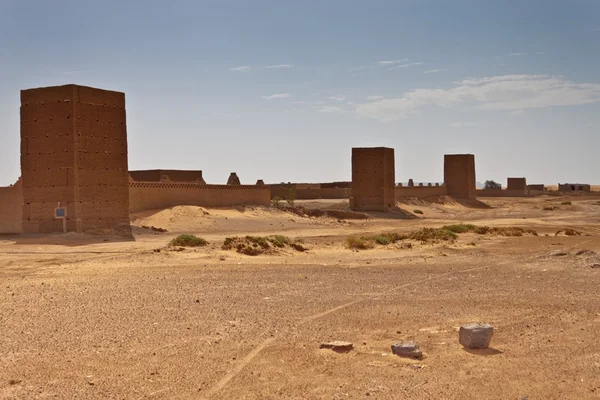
(281, 90)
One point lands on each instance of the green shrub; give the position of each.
(291, 196)
(460, 228)
(433, 234)
(278, 240)
(382, 240)
(188, 241)
(550, 208)
(566, 203)
(418, 212)
(276, 202)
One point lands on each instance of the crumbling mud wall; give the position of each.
(507, 193)
(459, 175)
(154, 196)
(309, 191)
(373, 179)
(73, 152)
(11, 208)
(172, 175)
(419, 191)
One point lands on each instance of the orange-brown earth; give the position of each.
(85, 318)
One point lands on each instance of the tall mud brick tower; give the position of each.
(459, 175)
(74, 152)
(373, 179)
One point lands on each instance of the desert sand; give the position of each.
(92, 317)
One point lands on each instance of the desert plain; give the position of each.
(95, 317)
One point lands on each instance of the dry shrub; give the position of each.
(568, 232)
(460, 228)
(510, 231)
(255, 245)
(359, 243)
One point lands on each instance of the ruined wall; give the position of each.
(536, 187)
(174, 175)
(419, 191)
(574, 187)
(373, 179)
(459, 175)
(73, 151)
(516, 184)
(11, 208)
(153, 196)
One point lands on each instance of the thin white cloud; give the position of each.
(337, 98)
(241, 68)
(507, 93)
(433, 71)
(310, 103)
(372, 98)
(279, 66)
(392, 62)
(517, 54)
(517, 112)
(400, 66)
(596, 30)
(277, 96)
(330, 109)
(462, 124)
(246, 68)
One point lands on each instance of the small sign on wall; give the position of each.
(61, 213)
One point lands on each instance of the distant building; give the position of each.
(574, 187)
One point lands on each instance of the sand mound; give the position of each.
(424, 201)
(176, 219)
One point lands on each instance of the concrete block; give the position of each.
(476, 335)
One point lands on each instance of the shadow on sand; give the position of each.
(483, 352)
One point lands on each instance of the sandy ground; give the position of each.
(83, 318)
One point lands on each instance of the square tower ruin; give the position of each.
(74, 152)
(516, 184)
(459, 175)
(373, 179)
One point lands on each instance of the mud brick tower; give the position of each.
(459, 175)
(373, 179)
(516, 184)
(74, 151)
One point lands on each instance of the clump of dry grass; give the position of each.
(359, 243)
(510, 231)
(255, 245)
(568, 232)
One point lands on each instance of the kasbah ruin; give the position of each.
(120, 283)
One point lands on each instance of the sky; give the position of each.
(282, 90)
